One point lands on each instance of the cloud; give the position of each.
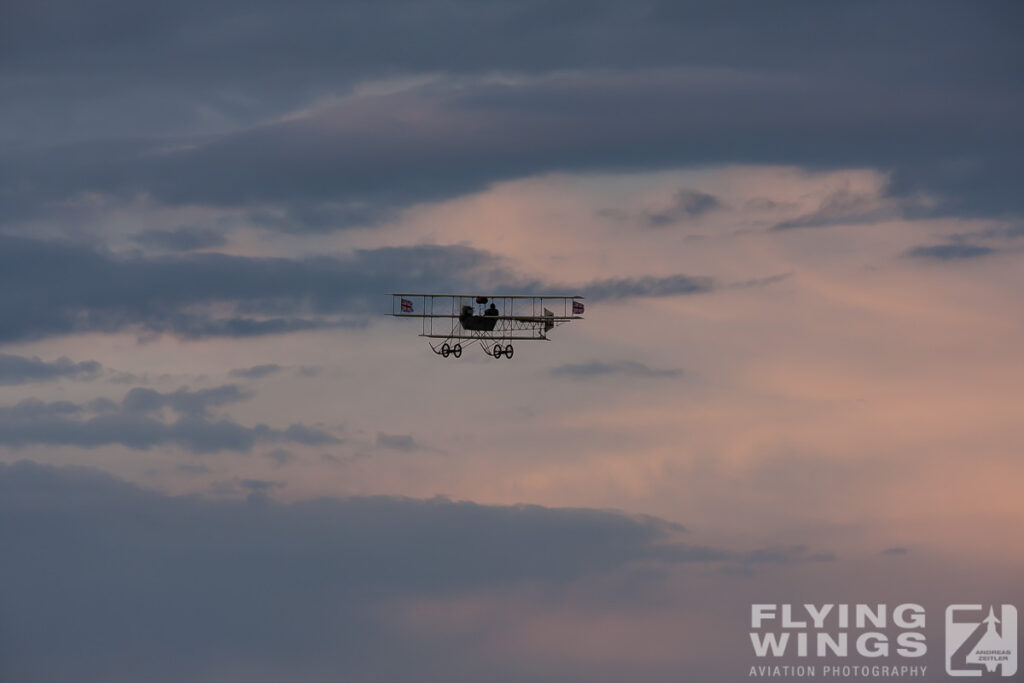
(256, 371)
(949, 252)
(308, 48)
(63, 288)
(66, 288)
(324, 216)
(996, 232)
(622, 288)
(397, 442)
(686, 204)
(133, 424)
(199, 586)
(1010, 231)
(845, 207)
(359, 160)
(300, 433)
(322, 128)
(761, 281)
(182, 401)
(787, 554)
(896, 551)
(260, 485)
(280, 456)
(21, 370)
(185, 238)
(594, 369)
(32, 408)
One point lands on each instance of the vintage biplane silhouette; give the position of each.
(493, 322)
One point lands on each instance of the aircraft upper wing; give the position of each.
(410, 305)
(493, 296)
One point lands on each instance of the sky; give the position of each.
(799, 230)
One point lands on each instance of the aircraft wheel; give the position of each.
(457, 350)
(496, 351)
(445, 350)
(509, 351)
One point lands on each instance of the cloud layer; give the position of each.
(250, 589)
(292, 136)
(21, 370)
(64, 288)
(138, 424)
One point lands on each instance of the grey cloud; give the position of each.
(844, 207)
(62, 288)
(191, 468)
(256, 371)
(197, 586)
(131, 424)
(100, 405)
(949, 252)
(201, 326)
(398, 442)
(896, 551)
(198, 402)
(1005, 232)
(775, 555)
(787, 554)
(256, 489)
(299, 433)
(133, 431)
(365, 157)
(626, 368)
(124, 60)
(21, 370)
(183, 401)
(260, 485)
(621, 288)
(138, 432)
(186, 238)
(33, 408)
(765, 204)
(280, 456)
(323, 216)
(143, 400)
(1012, 231)
(686, 203)
(130, 108)
(761, 281)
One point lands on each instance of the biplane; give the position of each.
(454, 322)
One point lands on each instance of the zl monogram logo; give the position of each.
(981, 640)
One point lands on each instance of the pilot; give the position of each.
(492, 310)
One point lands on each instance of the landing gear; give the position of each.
(498, 351)
(449, 350)
(446, 350)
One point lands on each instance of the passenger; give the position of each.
(492, 310)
